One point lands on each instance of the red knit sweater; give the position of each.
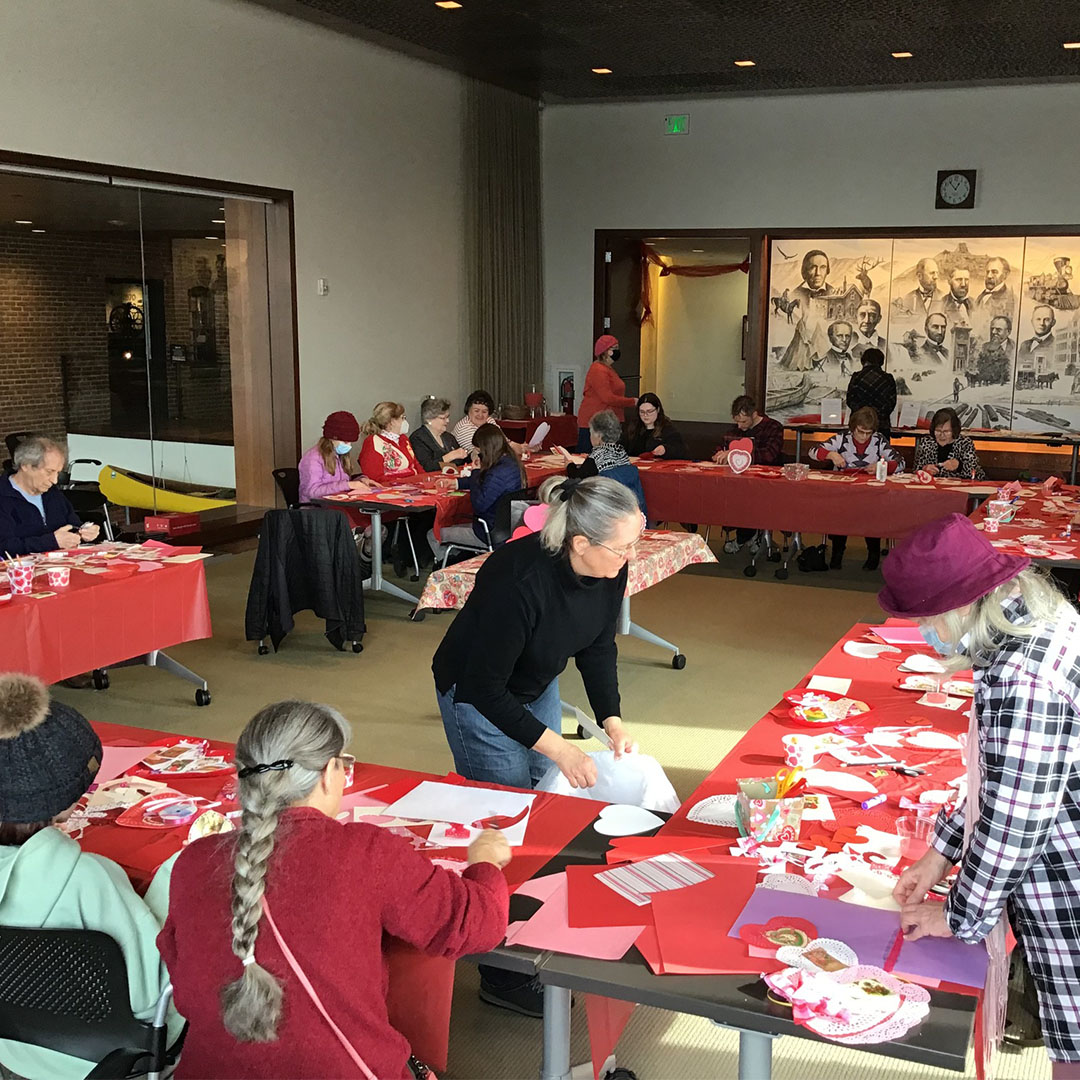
(334, 890)
(603, 390)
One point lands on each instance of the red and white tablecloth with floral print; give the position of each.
(660, 555)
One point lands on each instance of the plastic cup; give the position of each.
(59, 577)
(20, 574)
(914, 834)
(800, 751)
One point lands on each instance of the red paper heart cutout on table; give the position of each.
(778, 932)
(740, 455)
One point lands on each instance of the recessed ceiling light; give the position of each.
(601, 71)
(447, 5)
(116, 221)
(1071, 45)
(18, 222)
(901, 55)
(37, 230)
(698, 251)
(218, 221)
(745, 63)
(211, 237)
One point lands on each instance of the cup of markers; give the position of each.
(20, 574)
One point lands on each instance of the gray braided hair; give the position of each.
(309, 736)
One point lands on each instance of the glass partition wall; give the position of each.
(136, 322)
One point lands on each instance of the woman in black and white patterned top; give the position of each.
(945, 452)
(862, 446)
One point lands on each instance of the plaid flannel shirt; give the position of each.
(1025, 847)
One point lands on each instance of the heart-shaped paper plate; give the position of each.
(739, 460)
(867, 650)
(815, 708)
(922, 663)
(624, 819)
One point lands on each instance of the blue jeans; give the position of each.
(483, 753)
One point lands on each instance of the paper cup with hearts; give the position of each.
(800, 751)
(59, 577)
(20, 574)
(740, 455)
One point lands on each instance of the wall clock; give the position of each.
(955, 189)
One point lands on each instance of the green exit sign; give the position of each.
(677, 125)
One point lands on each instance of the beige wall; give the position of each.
(699, 367)
(369, 142)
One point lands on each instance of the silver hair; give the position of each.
(310, 737)
(606, 424)
(32, 450)
(986, 626)
(432, 407)
(593, 510)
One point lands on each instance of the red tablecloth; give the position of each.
(564, 430)
(99, 620)
(1038, 527)
(762, 498)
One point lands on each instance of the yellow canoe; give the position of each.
(124, 490)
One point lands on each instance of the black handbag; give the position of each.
(812, 559)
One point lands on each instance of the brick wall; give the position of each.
(52, 324)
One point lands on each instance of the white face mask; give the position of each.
(404, 427)
(342, 447)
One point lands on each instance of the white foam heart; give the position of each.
(922, 663)
(622, 819)
(739, 460)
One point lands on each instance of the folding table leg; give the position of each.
(755, 1055)
(625, 626)
(556, 1061)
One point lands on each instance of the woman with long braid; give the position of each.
(310, 898)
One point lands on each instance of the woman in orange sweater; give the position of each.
(603, 389)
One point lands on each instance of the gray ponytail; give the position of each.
(309, 736)
(593, 509)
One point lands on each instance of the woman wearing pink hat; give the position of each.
(603, 389)
(1016, 837)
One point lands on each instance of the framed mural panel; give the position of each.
(987, 325)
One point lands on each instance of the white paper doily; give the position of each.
(715, 810)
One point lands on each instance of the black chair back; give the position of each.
(67, 990)
(288, 482)
(503, 530)
(13, 440)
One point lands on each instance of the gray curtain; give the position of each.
(502, 242)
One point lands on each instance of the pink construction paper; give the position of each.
(116, 760)
(145, 567)
(899, 635)
(542, 888)
(549, 929)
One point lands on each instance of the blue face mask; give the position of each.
(342, 447)
(930, 636)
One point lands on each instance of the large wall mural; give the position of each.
(986, 325)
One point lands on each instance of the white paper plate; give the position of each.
(867, 650)
(923, 664)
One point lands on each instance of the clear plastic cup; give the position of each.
(914, 832)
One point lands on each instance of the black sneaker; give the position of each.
(526, 999)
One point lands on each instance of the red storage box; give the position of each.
(173, 524)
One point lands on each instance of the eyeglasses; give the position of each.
(624, 553)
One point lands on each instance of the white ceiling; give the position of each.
(701, 250)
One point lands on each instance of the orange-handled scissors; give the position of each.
(786, 779)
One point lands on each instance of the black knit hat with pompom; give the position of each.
(49, 753)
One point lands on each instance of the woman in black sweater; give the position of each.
(651, 432)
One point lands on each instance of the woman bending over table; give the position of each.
(327, 467)
(433, 445)
(860, 447)
(386, 457)
(945, 452)
(499, 473)
(49, 756)
(249, 953)
(607, 457)
(1016, 838)
(651, 432)
(537, 602)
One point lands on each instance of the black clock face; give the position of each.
(956, 189)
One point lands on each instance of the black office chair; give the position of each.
(288, 482)
(67, 990)
(11, 441)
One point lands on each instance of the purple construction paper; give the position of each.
(871, 933)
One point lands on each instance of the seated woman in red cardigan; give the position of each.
(387, 456)
(297, 895)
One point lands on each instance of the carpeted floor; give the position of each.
(746, 641)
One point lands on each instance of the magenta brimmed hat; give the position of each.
(943, 566)
(603, 343)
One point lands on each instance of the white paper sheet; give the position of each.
(515, 835)
(540, 434)
(829, 683)
(458, 803)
